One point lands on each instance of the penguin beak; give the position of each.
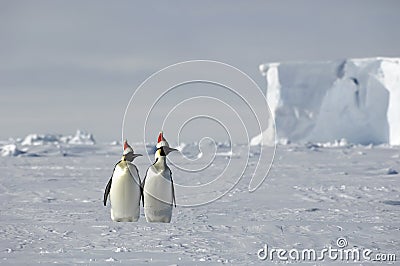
(137, 155)
(167, 150)
(130, 156)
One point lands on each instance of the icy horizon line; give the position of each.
(387, 58)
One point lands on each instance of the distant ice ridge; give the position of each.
(51, 141)
(37, 139)
(354, 99)
(80, 137)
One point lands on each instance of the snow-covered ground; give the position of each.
(52, 211)
(319, 189)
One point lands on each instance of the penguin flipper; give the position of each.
(107, 191)
(142, 195)
(173, 189)
(108, 187)
(142, 187)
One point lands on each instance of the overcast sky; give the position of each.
(74, 64)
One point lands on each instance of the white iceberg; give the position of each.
(354, 99)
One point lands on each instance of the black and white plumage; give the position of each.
(158, 186)
(124, 188)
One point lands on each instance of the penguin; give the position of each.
(124, 188)
(158, 186)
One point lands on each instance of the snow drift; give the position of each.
(354, 99)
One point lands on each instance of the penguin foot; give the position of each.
(128, 219)
(158, 220)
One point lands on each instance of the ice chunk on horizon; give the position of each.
(10, 150)
(81, 137)
(40, 139)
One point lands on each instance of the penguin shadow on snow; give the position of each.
(125, 188)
